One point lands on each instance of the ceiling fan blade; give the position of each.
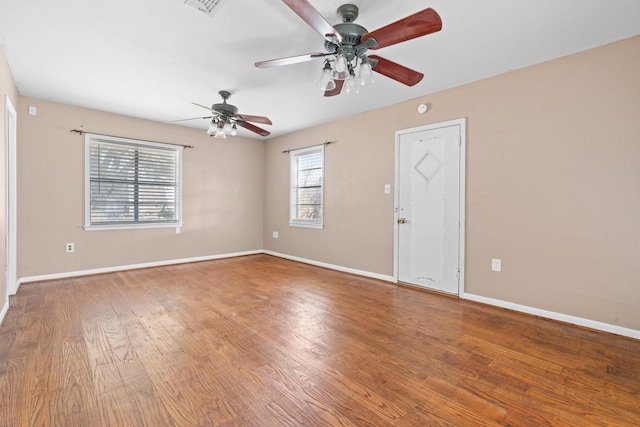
(419, 24)
(257, 119)
(395, 71)
(290, 60)
(205, 107)
(335, 91)
(254, 128)
(184, 120)
(312, 17)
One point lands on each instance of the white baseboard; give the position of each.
(131, 267)
(600, 326)
(332, 266)
(4, 310)
(197, 259)
(587, 323)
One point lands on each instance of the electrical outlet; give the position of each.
(496, 264)
(70, 247)
(275, 234)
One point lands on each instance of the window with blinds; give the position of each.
(307, 182)
(131, 184)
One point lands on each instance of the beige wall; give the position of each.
(358, 216)
(222, 194)
(553, 173)
(7, 89)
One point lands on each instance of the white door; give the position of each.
(430, 206)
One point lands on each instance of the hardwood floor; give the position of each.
(262, 341)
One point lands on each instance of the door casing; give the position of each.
(11, 121)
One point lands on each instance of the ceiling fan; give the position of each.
(225, 119)
(347, 43)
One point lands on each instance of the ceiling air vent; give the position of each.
(204, 6)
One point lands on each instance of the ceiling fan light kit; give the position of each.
(326, 78)
(365, 77)
(220, 130)
(346, 63)
(346, 71)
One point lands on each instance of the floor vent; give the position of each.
(204, 6)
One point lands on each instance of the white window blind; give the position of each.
(131, 183)
(307, 187)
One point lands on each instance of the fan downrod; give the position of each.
(224, 94)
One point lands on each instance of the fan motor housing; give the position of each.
(351, 35)
(226, 109)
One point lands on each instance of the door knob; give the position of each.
(402, 220)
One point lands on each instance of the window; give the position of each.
(131, 184)
(306, 195)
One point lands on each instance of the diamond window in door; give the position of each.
(428, 166)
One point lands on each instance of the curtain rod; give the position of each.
(82, 132)
(309, 146)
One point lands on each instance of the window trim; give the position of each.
(298, 222)
(87, 184)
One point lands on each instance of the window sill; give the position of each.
(306, 225)
(130, 226)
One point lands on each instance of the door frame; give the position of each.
(11, 136)
(462, 124)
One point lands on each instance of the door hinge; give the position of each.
(458, 273)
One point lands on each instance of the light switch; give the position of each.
(387, 189)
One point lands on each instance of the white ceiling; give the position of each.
(152, 58)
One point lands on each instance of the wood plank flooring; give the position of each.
(262, 341)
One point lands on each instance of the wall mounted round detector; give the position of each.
(422, 108)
